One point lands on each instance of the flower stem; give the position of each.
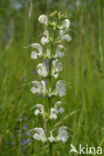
(50, 149)
(49, 101)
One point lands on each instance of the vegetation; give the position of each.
(83, 68)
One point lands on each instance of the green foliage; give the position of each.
(83, 68)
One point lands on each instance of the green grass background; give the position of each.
(83, 68)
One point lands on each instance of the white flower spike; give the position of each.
(43, 19)
(42, 70)
(45, 38)
(63, 134)
(52, 51)
(60, 88)
(40, 135)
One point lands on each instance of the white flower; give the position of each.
(58, 110)
(57, 67)
(42, 70)
(40, 135)
(43, 19)
(39, 87)
(63, 134)
(64, 36)
(48, 53)
(44, 89)
(51, 138)
(40, 109)
(39, 51)
(59, 53)
(66, 24)
(53, 114)
(45, 37)
(60, 88)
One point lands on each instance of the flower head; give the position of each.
(56, 110)
(39, 110)
(53, 114)
(44, 89)
(45, 37)
(42, 70)
(63, 134)
(43, 19)
(64, 36)
(56, 106)
(39, 135)
(60, 88)
(57, 67)
(37, 53)
(59, 53)
(39, 87)
(66, 24)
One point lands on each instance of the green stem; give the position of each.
(49, 101)
(49, 98)
(50, 149)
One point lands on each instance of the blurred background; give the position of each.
(83, 68)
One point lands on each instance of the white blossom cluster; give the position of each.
(40, 87)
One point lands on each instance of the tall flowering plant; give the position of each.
(56, 28)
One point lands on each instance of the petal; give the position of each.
(45, 38)
(57, 67)
(48, 53)
(64, 36)
(63, 134)
(59, 53)
(37, 112)
(59, 110)
(33, 90)
(43, 19)
(66, 24)
(41, 107)
(38, 52)
(53, 114)
(51, 138)
(37, 46)
(36, 88)
(34, 55)
(40, 135)
(67, 38)
(42, 70)
(60, 88)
